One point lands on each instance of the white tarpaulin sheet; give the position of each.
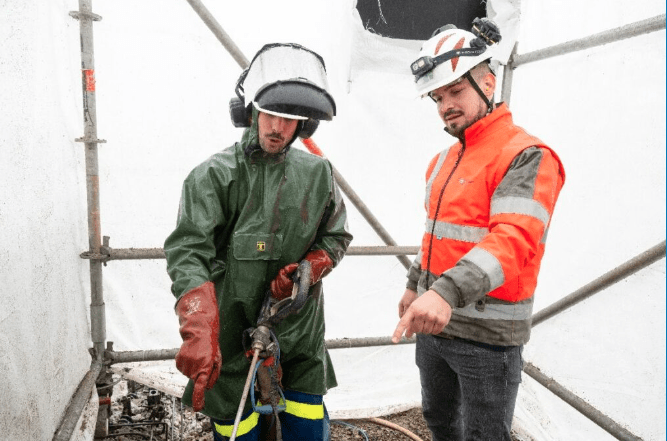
(163, 85)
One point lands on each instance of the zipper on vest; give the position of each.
(437, 210)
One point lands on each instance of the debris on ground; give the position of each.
(139, 412)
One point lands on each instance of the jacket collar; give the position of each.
(255, 154)
(486, 127)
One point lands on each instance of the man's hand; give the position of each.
(428, 314)
(320, 265)
(199, 357)
(409, 296)
(282, 284)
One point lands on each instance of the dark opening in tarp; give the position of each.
(417, 19)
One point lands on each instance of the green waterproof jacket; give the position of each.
(243, 216)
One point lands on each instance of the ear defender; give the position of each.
(239, 112)
(308, 127)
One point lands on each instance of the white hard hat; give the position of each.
(450, 53)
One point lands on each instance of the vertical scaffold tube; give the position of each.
(97, 311)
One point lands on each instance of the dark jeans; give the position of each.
(468, 389)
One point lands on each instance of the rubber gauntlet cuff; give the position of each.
(320, 265)
(199, 357)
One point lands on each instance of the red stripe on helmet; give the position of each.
(439, 45)
(455, 60)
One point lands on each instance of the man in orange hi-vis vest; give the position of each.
(489, 201)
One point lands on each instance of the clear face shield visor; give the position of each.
(288, 80)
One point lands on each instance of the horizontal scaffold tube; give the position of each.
(158, 253)
(619, 273)
(169, 354)
(631, 30)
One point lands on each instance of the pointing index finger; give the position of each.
(403, 324)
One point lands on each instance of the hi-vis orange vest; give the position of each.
(501, 232)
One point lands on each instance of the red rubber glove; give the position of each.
(199, 357)
(320, 265)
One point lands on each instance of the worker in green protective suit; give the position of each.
(248, 215)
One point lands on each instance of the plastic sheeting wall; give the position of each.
(163, 84)
(44, 325)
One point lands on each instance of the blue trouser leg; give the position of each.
(248, 430)
(468, 391)
(305, 418)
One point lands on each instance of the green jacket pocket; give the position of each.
(251, 246)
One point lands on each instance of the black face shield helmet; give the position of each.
(286, 80)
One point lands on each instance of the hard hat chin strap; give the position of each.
(479, 90)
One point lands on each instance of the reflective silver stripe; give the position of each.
(495, 311)
(526, 206)
(488, 263)
(544, 236)
(457, 232)
(418, 259)
(435, 172)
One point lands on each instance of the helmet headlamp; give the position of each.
(425, 64)
(422, 66)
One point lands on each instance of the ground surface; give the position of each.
(411, 420)
(139, 413)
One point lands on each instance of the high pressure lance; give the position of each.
(263, 344)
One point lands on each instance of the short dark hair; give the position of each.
(480, 71)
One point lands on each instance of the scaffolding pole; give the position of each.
(86, 17)
(613, 35)
(108, 253)
(170, 354)
(590, 412)
(619, 273)
(635, 29)
(97, 309)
